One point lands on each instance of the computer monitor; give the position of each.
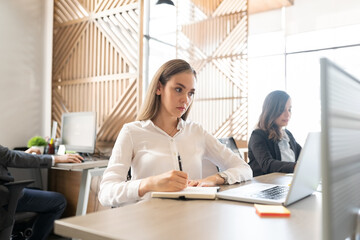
(78, 131)
(340, 140)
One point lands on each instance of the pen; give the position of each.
(179, 159)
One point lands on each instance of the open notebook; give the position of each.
(189, 193)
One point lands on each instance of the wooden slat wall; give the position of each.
(97, 62)
(212, 36)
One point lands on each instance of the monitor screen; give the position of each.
(340, 134)
(78, 131)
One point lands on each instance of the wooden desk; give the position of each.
(197, 219)
(89, 170)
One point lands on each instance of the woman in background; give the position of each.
(272, 148)
(153, 145)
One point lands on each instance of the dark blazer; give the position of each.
(16, 159)
(265, 156)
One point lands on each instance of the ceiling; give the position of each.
(256, 6)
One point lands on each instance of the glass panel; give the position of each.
(159, 53)
(347, 58)
(162, 23)
(266, 44)
(325, 38)
(303, 86)
(265, 75)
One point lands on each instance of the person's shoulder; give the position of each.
(129, 127)
(289, 133)
(192, 125)
(3, 149)
(135, 125)
(138, 126)
(258, 135)
(259, 132)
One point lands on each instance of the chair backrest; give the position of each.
(208, 167)
(230, 143)
(15, 190)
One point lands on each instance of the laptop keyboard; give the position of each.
(275, 193)
(87, 159)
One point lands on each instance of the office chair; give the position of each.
(209, 168)
(15, 190)
(22, 229)
(230, 143)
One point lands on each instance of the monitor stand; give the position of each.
(357, 229)
(356, 234)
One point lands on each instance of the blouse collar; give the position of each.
(284, 135)
(146, 123)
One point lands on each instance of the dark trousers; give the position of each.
(48, 205)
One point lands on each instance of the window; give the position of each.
(286, 56)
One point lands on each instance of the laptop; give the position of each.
(305, 180)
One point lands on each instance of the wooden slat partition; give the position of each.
(213, 38)
(97, 62)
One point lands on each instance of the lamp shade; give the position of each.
(166, 2)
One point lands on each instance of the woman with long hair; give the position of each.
(165, 151)
(272, 148)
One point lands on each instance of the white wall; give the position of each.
(25, 70)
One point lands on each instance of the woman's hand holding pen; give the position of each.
(171, 181)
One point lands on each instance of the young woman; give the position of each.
(153, 145)
(272, 148)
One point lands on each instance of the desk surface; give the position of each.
(81, 166)
(197, 219)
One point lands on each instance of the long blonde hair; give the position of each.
(151, 105)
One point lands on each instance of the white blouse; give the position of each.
(287, 154)
(149, 151)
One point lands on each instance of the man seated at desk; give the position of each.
(48, 205)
